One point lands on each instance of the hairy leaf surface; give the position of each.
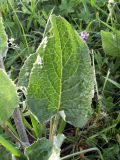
(8, 97)
(25, 70)
(62, 78)
(42, 149)
(111, 43)
(3, 40)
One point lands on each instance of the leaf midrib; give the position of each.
(59, 38)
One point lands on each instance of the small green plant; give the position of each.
(59, 80)
(64, 102)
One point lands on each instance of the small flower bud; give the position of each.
(84, 35)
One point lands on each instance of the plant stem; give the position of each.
(20, 127)
(18, 119)
(2, 64)
(96, 86)
(53, 126)
(84, 151)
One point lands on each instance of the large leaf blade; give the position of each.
(64, 78)
(8, 97)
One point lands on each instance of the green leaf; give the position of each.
(9, 146)
(25, 70)
(8, 97)
(37, 127)
(62, 78)
(3, 40)
(41, 149)
(111, 43)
